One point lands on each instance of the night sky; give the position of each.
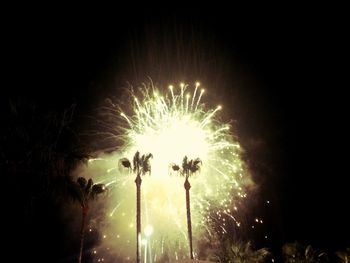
(275, 73)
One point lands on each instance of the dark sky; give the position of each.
(274, 72)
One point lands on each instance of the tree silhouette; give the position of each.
(83, 191)
(140, 166)
(39, 147)
(189, 168)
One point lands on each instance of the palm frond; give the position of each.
(97, 189)
(125, 162)
(197, 162)
(146, 168)
(149, 156)
(175, 167)
(143, 158)
(195, 165)
(185, 163)
(145, 162)
(194, 169)
(82, 182)
(242, 252)
(136, 161)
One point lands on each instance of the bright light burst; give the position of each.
(171, 125)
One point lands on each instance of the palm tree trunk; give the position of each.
(82, 232)
(138, 182)
(187, 186)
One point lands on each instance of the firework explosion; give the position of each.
(170, 126)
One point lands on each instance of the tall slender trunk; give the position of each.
(82, 232)
(187, 186)
(138, 182)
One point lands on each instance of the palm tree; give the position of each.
(189, 168)
(140, 166)
(83, 191)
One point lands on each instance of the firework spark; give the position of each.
(172, 125)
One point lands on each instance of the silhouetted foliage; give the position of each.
(240, 252)
(39, 148)
(295, 252)
(140, 166)
(83, 191)
(189, 167)
(343, 255)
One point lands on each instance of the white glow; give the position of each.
(148, 230)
